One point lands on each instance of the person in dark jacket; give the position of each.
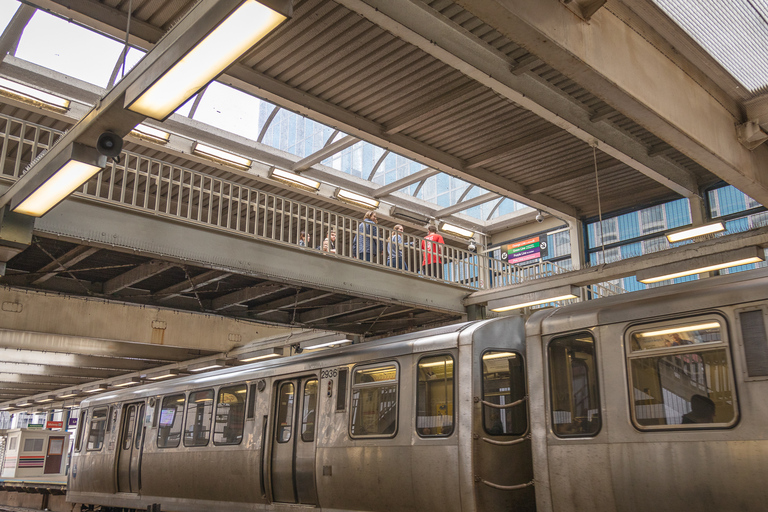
(367, 241)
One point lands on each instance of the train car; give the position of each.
(435, 420)
(654, 400)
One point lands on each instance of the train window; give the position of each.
(680, 375)
(80, 431)
(230, 415)
(504, 385)
(374, 401)
(575, 398)
(130, 423)
(198, 422)
(341, 390)
(251, 402)
(308, 411)
(171, 419)
(285, 412)
(97, 429)
(754, 339)
(434, 396)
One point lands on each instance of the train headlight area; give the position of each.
(661, 389)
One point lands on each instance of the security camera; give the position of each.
(472, 246)
(109, 144)
(539, 217)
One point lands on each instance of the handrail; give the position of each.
(507, 443)
(504, 406)
(506, 487)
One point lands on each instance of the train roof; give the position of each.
(430, 339)
(658, 302)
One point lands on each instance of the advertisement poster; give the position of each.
(525, 250)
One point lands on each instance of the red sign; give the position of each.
(54, 424)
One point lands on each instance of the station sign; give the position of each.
(528, 249)
(35, 425)
(72, 422)
(54, 424)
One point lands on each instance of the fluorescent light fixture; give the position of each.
(534, 298)
(70, 393)
(95, 389)
(24, 403)
(130, 381)
(142, 131)
(702, 264)
(237, 26)
(294, 180)
(219, 155)
(330, 344)
(44, 399)
(694, 232)
(456, 230)
(685, 328)
(400, 213)
(63, 175)
(356, 199)
(257, 355)
(7, 407)
(32, 96)
(208, 365)
(163, 374)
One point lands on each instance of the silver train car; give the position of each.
(655, 400)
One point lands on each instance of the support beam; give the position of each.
(443, 103)
(69, 359)
(245, 295)
(193, 283)
(515, 146)
(329, 150)
(12, 33)
(136, 275)
(624, 69)
(297, 299)
(333, 310)
(469, 203)
(404, 182)
(427, 29)
(68, 260)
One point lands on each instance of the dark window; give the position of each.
(575, 399)
(230, 415)
(285, 412)
(252, 402)
(434, 396)
(374, 401)
(171, 420)
(308, 411)
(97, 429)
(80, 431)
(341, 390)
(755, 342)
(680, 375)
(198, 422)
(504, 385)
(130, 423)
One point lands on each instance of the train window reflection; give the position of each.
(575, 399)
(373, 411)
(434, 396)
(80, 431)
(687, 382)
(308, 411)
(285, 412)
(198, 422)
(96, 430)
(230, 415)
(504, 385)
(171, 418)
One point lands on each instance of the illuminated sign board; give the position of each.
(525, 250)
(54, 424)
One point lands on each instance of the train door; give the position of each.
(502, 456)
(292, 460)
(129, 450)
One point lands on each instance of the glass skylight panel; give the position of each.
(735, 33)
(69, 48)
(233, 110)
(131, 59)
(7, 9)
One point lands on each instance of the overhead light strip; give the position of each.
(694, 232)
(32, 96)
(220, 155)
(294, 180)
(225, 44)
(534, 298)
(151, 134)
(357, 199)
(456, 230)
(701, 265)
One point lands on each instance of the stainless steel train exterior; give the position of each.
(407, 424)
(655, 400)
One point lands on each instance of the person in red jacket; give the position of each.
(431, 248)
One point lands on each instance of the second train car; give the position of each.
(654, 400)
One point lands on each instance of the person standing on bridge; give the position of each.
(368, 243)
(431, 247)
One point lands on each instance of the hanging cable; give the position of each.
(127, 33)
(599, 205)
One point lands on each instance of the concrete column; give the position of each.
(699, 211)
(476, 312)
(576, 232)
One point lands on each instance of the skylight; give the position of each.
(734, 33)
(233, 110)
(69, 49)
(7, 9)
